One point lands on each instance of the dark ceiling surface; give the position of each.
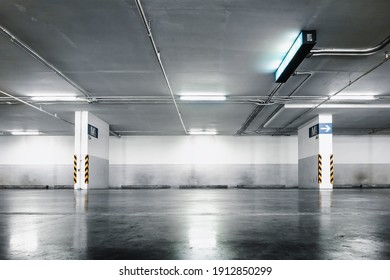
(225, 46)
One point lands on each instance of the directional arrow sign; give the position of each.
(325, 128)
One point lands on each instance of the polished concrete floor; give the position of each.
(194, 224)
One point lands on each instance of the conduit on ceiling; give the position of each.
(158, 56)
(387, 57)
(351, 52)
(43, 61)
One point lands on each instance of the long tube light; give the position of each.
(25, 132)
(295, 55)
(202, 132)
(202, 98)
(337, 106)
(353, 97)
(56, 98)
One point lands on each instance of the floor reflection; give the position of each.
(23, 239)
(325, 201)
(202, 228)
(80, 228)
(198, 224)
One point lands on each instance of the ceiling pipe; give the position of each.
(374, 131)
(387, 57)
(43, 61)
(36, 107)
(158, 56)
(55, 115)
(351, 52)
(256, 111)
(273, 115)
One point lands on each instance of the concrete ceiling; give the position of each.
(206, 46)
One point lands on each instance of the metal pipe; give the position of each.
(387, 57)
(255, 112)
(35, 107)
(352, 52)
(158, 56)
(273, 115)
(35, 55)
(43, 61)
(55, 115)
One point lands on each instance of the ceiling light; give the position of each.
(337, 106)
(207, 93)
(202, 98)
(202, 132)
(352, 97)
(25, 132)
(55, 98)
(296, 54)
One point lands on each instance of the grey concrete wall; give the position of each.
(308, 172)
(42, 174)
(361, 174)
(99, 173)
(209, 174)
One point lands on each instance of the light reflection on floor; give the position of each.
(195, 224)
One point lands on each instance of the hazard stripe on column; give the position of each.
(331, 169)
(86, 177)
(75, 169)
(319, 169)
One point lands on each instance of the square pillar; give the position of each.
(91, 161)
(315, 153)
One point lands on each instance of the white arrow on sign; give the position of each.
(326, 128)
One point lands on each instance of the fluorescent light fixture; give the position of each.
(352, 97)
(202, 98)
(296, 54)
(207, 93)
(55, 98)
(337, 106)
(25, 132)
(202, 132)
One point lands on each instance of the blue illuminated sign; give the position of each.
(295, 55)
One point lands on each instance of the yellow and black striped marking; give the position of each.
(75, 169)
(319, 169)
(86, 177)
(331, 169)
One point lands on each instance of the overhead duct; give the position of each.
(351, 52)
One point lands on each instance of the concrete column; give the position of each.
(91, 161)
(315, 153)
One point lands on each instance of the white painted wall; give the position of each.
(203, 150)
(36, 160)
(36, 150)
(370, 149)
(367, 155)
